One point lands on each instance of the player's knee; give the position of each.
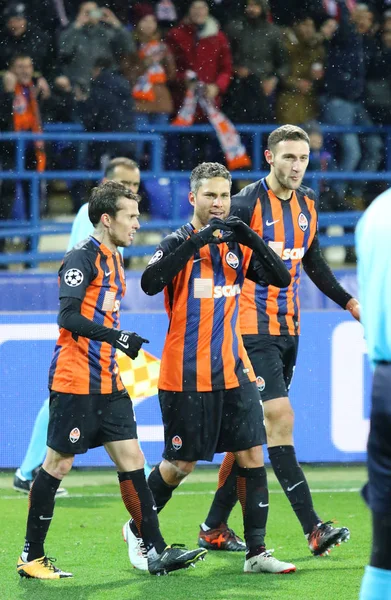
(58, 465)
(251, 458)
(131, 462)
(280, 421)
(283, 427)
(178, 470)
(185, 468)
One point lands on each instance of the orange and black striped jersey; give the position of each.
(94, 275)
(289, 227)
(203, 350)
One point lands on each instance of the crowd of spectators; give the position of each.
(119, 66)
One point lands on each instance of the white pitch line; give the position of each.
(19, 496)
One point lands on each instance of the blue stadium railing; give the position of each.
(37, 227)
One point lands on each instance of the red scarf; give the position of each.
(27, 117)
(235, 153)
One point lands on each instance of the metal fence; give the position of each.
(36, 227)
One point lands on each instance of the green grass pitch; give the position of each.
(86, 539)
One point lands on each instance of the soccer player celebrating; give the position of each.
(207, 392)
(125, 171)
(89, 405)
(283, 212)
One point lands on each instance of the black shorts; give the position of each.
(273, 358)
(79, 422)
(378, 490)
(197, 425)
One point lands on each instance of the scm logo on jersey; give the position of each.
(292, 253)
(226, 290)
(287, 253)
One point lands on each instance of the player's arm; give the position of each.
(266, 267)
(76, 274)
(174, 253)
(274, 274)
(320, 273)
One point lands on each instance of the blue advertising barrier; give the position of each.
(330, 390)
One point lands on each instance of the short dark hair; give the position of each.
(104, 199)
(120, 161)
(286, 133)
(208, 170)
(20, 56)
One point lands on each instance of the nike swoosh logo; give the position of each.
(42, 518)
(268, 223)
(126, 346)
(154, 507)
(261, 505)
(197, 260)
(108, 273)
(289, 489)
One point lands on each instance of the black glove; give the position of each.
(205, 235)
(127, 341)
(273, 267)
(243, 234)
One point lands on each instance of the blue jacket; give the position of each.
(109, 106)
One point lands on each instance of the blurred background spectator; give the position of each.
(260, 61)
(199, 45)
(20, 103)
(283, 11)
(60, 107)
(107, 105)
(321, 160)
(96, 33)
(154, 68)
(167, 12)
(343, 101)
(298, 98)
(20, 36)
(378, 81)
(222, 10)
(52, 15)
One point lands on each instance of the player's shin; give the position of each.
(41, 507)
(293, 481)
(254, 499)
(226, 496)
(139, 502)
(161, 490)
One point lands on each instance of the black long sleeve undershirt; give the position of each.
(71, 319)
(320, 273)
(266, 267)
(158, 275)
